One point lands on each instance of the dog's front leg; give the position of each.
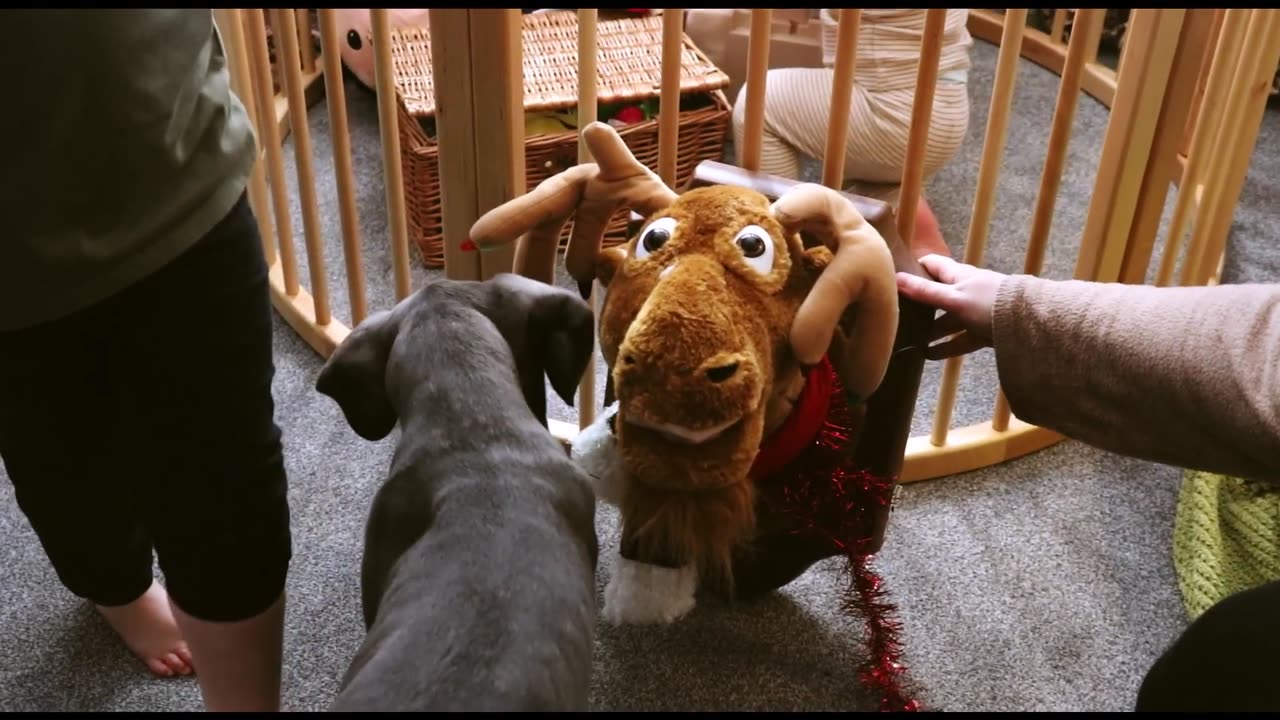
(640, 592)
(595, 449)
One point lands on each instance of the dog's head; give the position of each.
(443, 333)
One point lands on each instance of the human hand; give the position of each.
(966, 295)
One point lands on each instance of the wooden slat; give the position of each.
(838, 119)
(756, 87)
(669, 95)
(1126, 147)
(303, 157)
(232, 27)
(1238, 147)
(921, 117)
(993, 147)
(270, 131)
(392, 171)
(1097, 80)
(306, 45)
(588, 93)
(1202, 79)
(1064, 114)
(1204, 132)
(1162, 160)
(340, 136)
(1057, 30)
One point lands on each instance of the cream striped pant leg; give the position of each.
(797, 104)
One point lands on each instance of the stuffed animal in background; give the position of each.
(356, 35)
(742, 360)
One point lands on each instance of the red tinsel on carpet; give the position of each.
(824, 494)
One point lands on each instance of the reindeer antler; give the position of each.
(861, 274)
(595, 191)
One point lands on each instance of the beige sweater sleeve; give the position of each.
(1185, 376)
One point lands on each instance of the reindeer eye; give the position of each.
(654, 236)
(757, 248)
(752, 246)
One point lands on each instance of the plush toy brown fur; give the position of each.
(713, 314)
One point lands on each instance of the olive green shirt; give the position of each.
(122, 146)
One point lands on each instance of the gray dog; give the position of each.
(478, 576)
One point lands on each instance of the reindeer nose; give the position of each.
(722, 373)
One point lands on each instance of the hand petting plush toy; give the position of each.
(739, 359)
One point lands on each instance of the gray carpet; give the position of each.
(1042, 584)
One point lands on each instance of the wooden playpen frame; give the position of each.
(1186, 103)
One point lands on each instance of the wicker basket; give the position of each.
(630, 68)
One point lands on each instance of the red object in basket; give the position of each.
(630, 114)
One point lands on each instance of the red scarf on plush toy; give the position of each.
(805, 468)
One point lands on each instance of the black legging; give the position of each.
(1228, 659)
(146, 421)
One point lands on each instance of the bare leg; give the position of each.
(238, 663)
(148, 628)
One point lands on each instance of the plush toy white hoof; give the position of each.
(640, 593)
(596, 450)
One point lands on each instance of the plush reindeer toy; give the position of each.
(731, 346)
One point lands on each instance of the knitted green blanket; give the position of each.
(1226, 537)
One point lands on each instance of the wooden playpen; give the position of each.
(1186, 102)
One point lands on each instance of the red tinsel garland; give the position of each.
(823, 493)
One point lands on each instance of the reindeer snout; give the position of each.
(688, 367)
(716, 370)
(665, 388)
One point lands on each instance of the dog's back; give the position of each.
(479, 565)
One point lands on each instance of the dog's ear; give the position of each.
(355, 377)
(563, 334)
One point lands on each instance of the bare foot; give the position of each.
(147, 627)
(928, 236)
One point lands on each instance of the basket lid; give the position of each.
(628, 64)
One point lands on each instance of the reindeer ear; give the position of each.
(355, 377)
(861, 276)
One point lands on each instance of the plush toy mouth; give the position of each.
(684, 435)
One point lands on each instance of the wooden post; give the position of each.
(497, 102)
(455, 135)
